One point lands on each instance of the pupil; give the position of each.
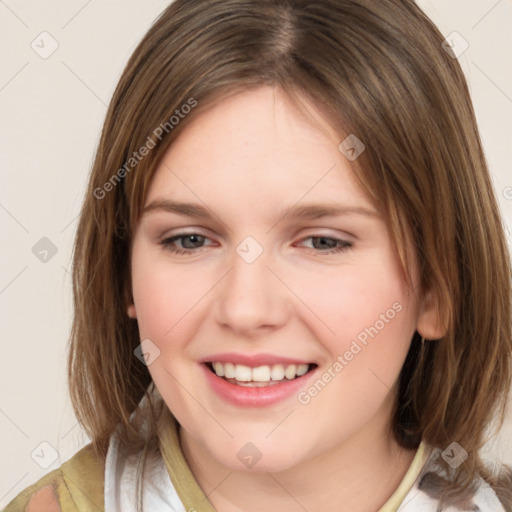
(197, 237)
(330, 242)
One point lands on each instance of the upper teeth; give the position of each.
(260, 373)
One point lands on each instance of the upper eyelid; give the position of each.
(204, 230)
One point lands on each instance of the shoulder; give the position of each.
(428, 491)
(75, 486)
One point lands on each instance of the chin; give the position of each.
(258, 457)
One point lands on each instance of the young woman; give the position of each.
(291, 282)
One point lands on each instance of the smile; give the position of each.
(255, 384)
(265, 375)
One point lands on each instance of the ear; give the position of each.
(432, 324)
(131, 311)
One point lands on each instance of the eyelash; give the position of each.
(168, 244)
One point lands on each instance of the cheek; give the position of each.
(167, 300)
(356, 301)
(373, 316)
(373, 319)
(165, 296)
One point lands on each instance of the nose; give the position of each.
(251, 298)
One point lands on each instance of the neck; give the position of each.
(358, 475)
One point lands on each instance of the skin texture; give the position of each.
(248, 160)
(44, 501)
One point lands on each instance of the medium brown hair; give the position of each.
(376, 69)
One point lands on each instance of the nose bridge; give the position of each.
(251, 295)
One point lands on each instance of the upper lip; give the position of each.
(253, 360)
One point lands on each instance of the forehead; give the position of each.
(253, 151)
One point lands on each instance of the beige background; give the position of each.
(51, 114)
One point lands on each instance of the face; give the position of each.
(278, 265)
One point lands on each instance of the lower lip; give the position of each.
(246, 396)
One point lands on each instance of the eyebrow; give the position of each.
(306, 211)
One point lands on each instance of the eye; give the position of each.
(334, 245)
(190, 242)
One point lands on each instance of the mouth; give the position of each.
(259, 376)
